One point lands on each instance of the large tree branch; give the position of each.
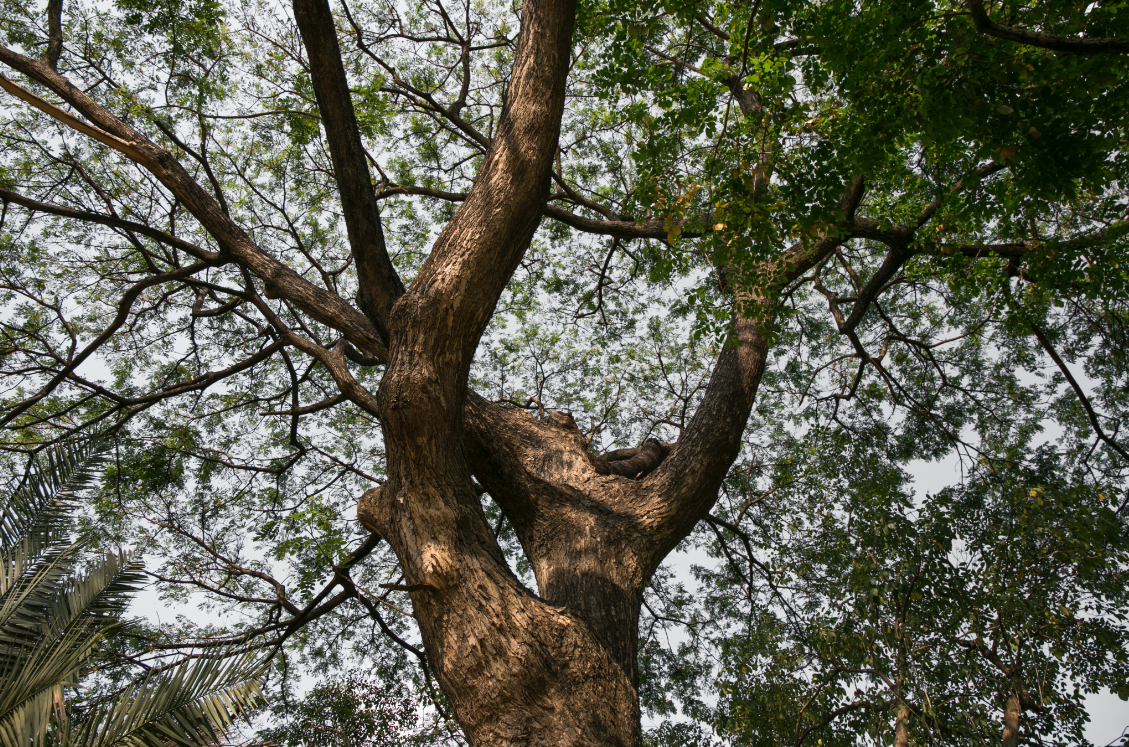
(332, 358)
(380, 286)
(476, 253)
(634, 463)
(684, 487)
(54, 33)
(899, 239)
(1082, 46)
(893, 262)
(281, 281)
(624, 229)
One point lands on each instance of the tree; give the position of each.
(884, 217)
(355, 711)
(1003, 596)
(54, 619)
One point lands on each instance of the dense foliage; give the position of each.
(975, 314)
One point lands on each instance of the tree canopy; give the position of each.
(425, 332)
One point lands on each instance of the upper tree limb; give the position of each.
(380, 286)
(1083, 46)
(235, 244)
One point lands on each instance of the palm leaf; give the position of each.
(31, 684)
(102, 593)
(37, 561)
(35, 518)
(27, 724)
(50, 483)
(44, 648)
(25, 608)
(52, 621)
(194, 703)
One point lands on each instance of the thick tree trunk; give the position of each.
(518, 669)
(554, 668)
(559, 667)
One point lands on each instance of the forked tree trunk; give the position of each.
(557, 667)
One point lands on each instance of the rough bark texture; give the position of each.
(1011, 721)
(1080, 46)
(518, 669)
(901, 735)
(558, 668)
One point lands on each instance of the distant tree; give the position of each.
(988, 611)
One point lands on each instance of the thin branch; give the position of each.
(108, 220)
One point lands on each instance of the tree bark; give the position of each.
(1011, 721)
(901, 736)
(378, 282)
(559, 668)
(554, 668)
(517, 669)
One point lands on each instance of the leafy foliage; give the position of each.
(357, 710)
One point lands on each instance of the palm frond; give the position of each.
(102, 593)
(37, 560)
(192, 704)
(43, 645)
(53, 619)
(36, 516)
(32, 681)
(25, 608)
(26, 725)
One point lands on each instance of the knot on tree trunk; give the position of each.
(634, 463)
(372, 512)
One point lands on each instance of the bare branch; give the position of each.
(124, 306)
(111, 221)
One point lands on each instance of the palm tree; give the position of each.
(58, 605)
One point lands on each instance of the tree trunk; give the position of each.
(1011, 721)
(901, 736)
(559, 668)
